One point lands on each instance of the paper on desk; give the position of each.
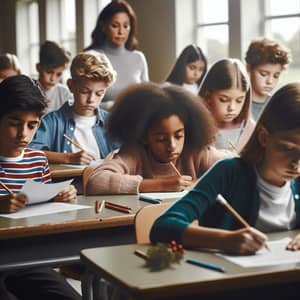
(43, 209)
(170, 195)
(278, 255)
(41, 192)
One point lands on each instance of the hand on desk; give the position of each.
(68, 194)
(245, 241)
(81, 157)
(12, 203)
(294, 244)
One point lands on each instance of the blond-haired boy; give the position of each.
(81, 121)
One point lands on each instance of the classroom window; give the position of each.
(212, 28)
(282, 22)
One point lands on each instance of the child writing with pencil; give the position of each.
(22, 105)
(226, 91)
(75, 134)
(262, 185)
(165, 143)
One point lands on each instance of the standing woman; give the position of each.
(115, 36)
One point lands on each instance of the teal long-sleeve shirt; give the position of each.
(236, 181)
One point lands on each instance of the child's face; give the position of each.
(226, 105)
(88, 95)
(166, 139)
(118, 29)
(281, 161)
(49, 77)
(264, 78)
(7, 73)
(193, 71)
(17, 130)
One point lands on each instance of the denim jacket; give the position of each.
(55, 124)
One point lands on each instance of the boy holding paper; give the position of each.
(22, 105)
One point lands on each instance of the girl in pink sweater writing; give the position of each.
(158, 128)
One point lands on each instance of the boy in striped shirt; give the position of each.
(22, 105)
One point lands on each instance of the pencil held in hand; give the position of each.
(73, 142)
(224, 202)
(175, 169)
(7, 188)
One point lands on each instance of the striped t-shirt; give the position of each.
(31, 164)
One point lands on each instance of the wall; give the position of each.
(156, 33)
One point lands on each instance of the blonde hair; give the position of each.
(10, 61)
(92, 65)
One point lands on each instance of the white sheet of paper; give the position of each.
(41, 192)
(170, 195)
(278, 255)
(43, 209)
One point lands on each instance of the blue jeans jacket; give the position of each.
(55, 124)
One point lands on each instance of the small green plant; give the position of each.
(161, 256)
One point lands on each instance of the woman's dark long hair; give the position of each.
(99, 32)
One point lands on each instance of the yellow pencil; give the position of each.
(7, 188)
(224, 202)
(73, 142)
(175, 169)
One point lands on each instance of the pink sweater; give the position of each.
(124, 172)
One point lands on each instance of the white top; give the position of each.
(57, 96)
(84, 136)
(277, 207)
(193, 88)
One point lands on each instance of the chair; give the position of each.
(144, 219)
(85, 177)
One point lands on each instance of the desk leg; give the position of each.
(87, 283)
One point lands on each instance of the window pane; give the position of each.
(287, 31)
(279, 7)
(33, 45)
(213, 40)
(207, 12)
(68, 25)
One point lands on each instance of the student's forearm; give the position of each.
(58, 157)
(202, 237)
(150, 185)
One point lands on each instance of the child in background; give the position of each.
(83, 120)
(189, 69)
(266, 59)
(9, 66)
(170, 126)
(22, 105)
(226, 92)
(262, 185)
(53, 61)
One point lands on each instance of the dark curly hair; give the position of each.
(99, 32)
(141, 106)
(263, 50)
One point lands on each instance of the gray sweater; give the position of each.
(131, 67)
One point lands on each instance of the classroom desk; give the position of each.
(122, 267)
(53, 239)
(64, 170)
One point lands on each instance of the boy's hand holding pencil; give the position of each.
(12, 202)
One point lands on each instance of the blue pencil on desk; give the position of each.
(204, 264)
(148, 199)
